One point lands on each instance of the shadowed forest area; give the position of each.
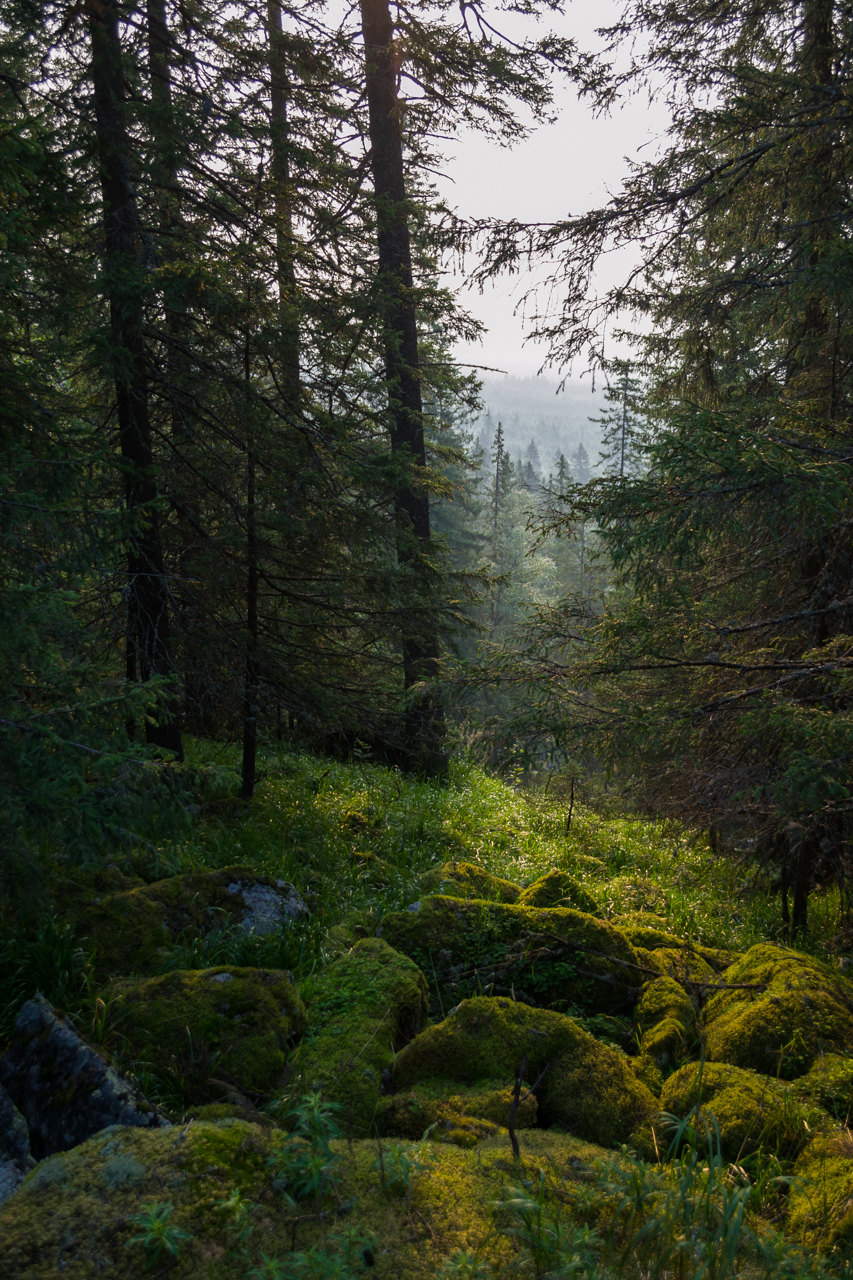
(426, 817)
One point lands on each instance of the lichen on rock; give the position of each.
(556, 956)
(16, 1158)
(791, 1007)
(200, 1022)
(362, 1009)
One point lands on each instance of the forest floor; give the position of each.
(680, 1130)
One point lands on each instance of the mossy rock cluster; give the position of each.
(82, 1207)
(581, 1085)
(556, 957)
(237, 1025)
(788, 1009)
(134, 930)
(363, 1008)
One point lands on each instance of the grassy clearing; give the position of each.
(358, 836)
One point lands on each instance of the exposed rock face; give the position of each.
(15, 1155)
(267, 906)
(66, 1091)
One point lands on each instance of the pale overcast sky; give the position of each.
(563, 168)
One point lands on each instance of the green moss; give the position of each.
(556, 889)
(409, 1113)
(829, 1083)
(820, 1203)
(801, 1007)
(588, 1088)
(202, 1022)
(666, 1019)
(77, 1207)
(753, 1112)
(467, 880)
(648, 1073)
(215, 1111)
(363, 1008)
(133, 931)
(550, 956)
(354, 926)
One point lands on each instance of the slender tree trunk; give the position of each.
(251, 686)
(425, 717)
(285, 257)
(148, 643)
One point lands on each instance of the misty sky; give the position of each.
(563, 168)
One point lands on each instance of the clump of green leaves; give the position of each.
(157, 1235)
(302, 1166)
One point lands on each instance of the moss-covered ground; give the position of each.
(584, 964)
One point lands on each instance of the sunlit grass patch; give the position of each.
(358, 835)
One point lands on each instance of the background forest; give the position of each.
(248, 494)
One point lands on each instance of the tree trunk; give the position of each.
(424, 734)
(148, 619)
(289, 386)
(251, 687)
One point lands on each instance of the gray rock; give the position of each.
(15, 1156)
(267, 907)
(66, 1091)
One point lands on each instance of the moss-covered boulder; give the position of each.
(467, 880)
(829, 1083)
(752, 1112)
(820, 1201)
(204, 1025)
(792, 1007)
(461, 1114)
(78, 1214)
(654, 939)
(132, 932)
(588, 1088)
(555, 956)
(666, 1020)
(686, 966)
(557, 889)
(363, 1009)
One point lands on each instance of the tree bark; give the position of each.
(424, 731)
(148, 598)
